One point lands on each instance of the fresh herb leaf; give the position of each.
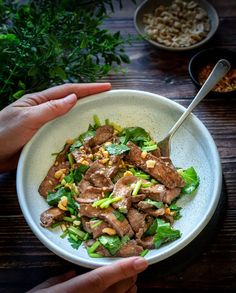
(75, 243)
(165, 233)
(114, 149)
(111, 243)
(176, 209)
(75, 145)
(191, 179)
(135, 134)
(86, 135)
(54, 197)
(157, 204)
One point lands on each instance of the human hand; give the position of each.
(20, 120)
(119, 277)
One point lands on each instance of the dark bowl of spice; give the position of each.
(201, 65)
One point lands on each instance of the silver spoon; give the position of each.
(218, 72)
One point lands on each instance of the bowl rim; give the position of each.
(206, 52)
(91, 263)
(179, 49)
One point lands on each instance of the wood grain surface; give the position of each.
(25, 262)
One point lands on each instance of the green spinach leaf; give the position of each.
(191, 178)
(111, 243)
(114, 149)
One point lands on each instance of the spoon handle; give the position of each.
(218, 72)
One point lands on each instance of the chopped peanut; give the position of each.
(76, 223)
(84, 162)
(104, 161)
(167, 211)
(58, 174)
(107, 143)
(144, 154)
(63, 227)
(60, 205)
(150, 163)
(106, 154)
(128, 173)
(109, 231)
(64, 200)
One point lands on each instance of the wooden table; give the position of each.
(25, 262)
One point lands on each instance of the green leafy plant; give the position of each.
(44, 43)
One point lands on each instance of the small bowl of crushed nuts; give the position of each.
(176, 25)
(202, 63)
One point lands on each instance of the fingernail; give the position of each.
(140, 264)
(71, 98)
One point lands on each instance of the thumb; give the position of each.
(100, 279)
(50, 110)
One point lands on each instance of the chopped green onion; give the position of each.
(107, 121)
(70, 159)
(154, 181)
(77, 232)
(143, 253)
(137, 187)
(147, 184)
(116, 126)
(74, 237)
(96, 121)
(93, 247)
(68, 219)
(63, 235)
(106, 204)
(149, 148)
(54, 225)
(95, 255)
(98, 202)
(95, 225)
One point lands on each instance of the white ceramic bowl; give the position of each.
(192, 145)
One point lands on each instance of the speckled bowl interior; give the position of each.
(192, 145)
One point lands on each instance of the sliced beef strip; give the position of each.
(143, 205)
(171, 194)
(90, 195)
(156, 192)
(97, 176)
(103, 134)
(130, 248)
(138, 197)
(162, 171)
(48, 217)
(113, 170)
(97, 230)
(123, 189)
(146, 242)
(155, 212)
(122, 227)
(49, 182)
(136, 219)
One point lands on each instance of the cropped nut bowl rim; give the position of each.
(127, 108)
(149, 5)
